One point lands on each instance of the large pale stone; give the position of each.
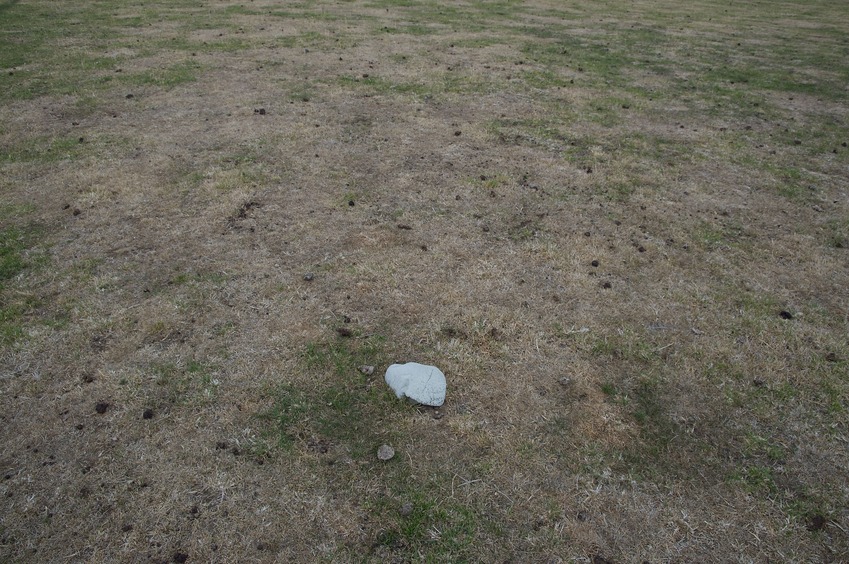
(419, 382)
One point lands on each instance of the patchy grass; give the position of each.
(11, 261)
(165, 78)
(619, 228)
(18, 255)
(345, 409)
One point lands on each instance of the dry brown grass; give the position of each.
(448, 173)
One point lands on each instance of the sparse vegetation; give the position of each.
(619, 227)
(342, 409)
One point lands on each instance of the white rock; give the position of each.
(419, 382)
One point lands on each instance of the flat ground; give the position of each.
(621, 228)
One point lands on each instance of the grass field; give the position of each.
(621, 229)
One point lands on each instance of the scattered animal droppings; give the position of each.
(816, 523)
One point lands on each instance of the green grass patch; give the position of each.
(291, 406)
(757, 480)
(11, 323)
(12, 262)
(343, 408)
(438, 531)
(472, 17)
(44, 150)
(544, 79)
(16, 258)
(165, 77)
(408, 29)
(301, 92)
(590, 60)
(717, 236)
(199, 278)
(448, 82)
(757, 446)
(185, 383)
(318, 15)
(478, 42)
(382, 86)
